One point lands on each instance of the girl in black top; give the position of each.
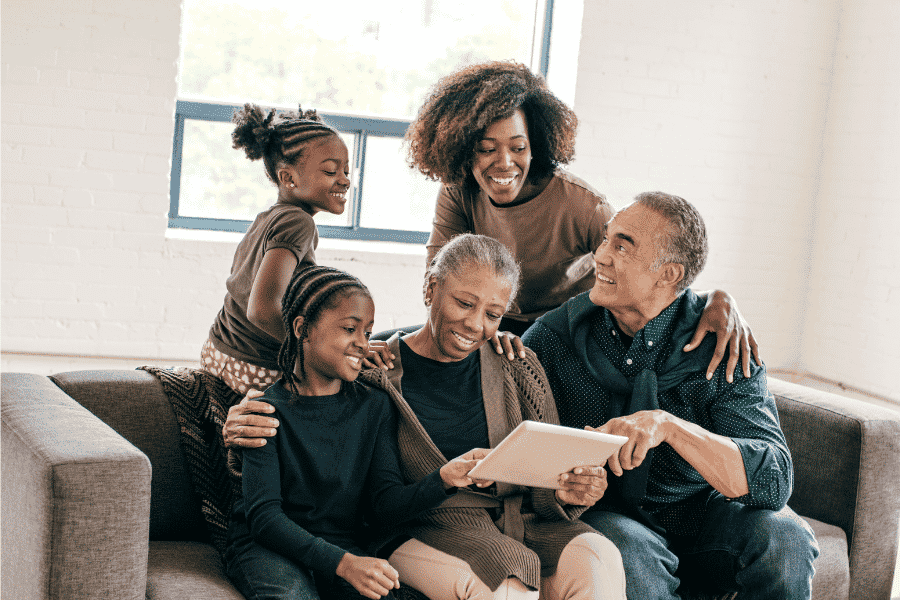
(334, 463)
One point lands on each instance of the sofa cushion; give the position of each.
(76, 498)
(134, 405)
(182, 570)
(825, 446)
(832, 578)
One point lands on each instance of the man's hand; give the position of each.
(378, 356)
(372, 577)
(506, 343)
(245, 429)
(645, 430)
(456, 472)
(722, 317)
(582, 486)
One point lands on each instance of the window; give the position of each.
(365, 65)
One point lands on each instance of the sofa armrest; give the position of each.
(75, 498)
(846, 471)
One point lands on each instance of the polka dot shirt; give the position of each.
(743, 410)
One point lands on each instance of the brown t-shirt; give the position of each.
(282, 226)
(552, 237)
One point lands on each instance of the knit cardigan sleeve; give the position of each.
(526, 378)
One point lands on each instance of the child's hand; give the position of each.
(379, 356)
(372, 577)
(456, 472)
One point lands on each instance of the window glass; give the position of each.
(394, 195)
(369, 63)
(359, 56)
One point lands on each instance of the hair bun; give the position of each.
(253, 130)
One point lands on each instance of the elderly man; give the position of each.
(698, 493)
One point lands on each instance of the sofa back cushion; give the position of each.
(134, 405)
(825, 446)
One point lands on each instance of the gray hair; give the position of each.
(470, 250)
(684, 242)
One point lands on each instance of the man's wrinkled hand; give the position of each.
(582, 486)
(245, 427)
(645, 429)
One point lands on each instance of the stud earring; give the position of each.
(292, 185)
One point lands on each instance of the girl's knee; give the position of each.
(591, 550)
(514, 589)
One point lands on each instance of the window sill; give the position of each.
(328, 247)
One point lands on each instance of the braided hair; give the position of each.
(276, 138)
(312, 289)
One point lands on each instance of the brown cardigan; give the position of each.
(531, 528)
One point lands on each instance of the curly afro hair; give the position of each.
(277, 138)
(462, 105)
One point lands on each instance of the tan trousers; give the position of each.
(590, 567)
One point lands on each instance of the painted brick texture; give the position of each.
(89, 92)
(853, 319)
(778, 120)
(757, 113)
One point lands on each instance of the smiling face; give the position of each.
(624, 283)
(320, 178)
(502, 158)
(465, 312)
(336, 344)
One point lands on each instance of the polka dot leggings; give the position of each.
(237, 374)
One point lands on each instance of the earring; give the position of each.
(292, 185)
(428, 302)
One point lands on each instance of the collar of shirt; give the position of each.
(647, 344)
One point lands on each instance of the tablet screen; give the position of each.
(535, 454)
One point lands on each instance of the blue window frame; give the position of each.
(361, 128)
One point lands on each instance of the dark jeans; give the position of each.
(760, 553)
(261, 574)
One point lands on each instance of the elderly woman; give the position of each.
(453, 392)
(495, 136)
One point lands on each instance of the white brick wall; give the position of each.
(852, 326)
(88, 114)
(735, 107)
(770, 116)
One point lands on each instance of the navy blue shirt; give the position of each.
(743, 410)
(334, 463)
(447, 399)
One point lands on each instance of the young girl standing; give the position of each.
(308, 161)
(298, 529)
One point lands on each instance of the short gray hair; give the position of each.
(470, 250)
(684, 242)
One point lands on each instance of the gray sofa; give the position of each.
(97, 503)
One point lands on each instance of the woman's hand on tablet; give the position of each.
(582, 486)
(456, 472)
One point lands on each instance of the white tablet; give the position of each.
(534, 454)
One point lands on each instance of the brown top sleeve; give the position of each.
(451, 217)
(597, 229)
(293, 230)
